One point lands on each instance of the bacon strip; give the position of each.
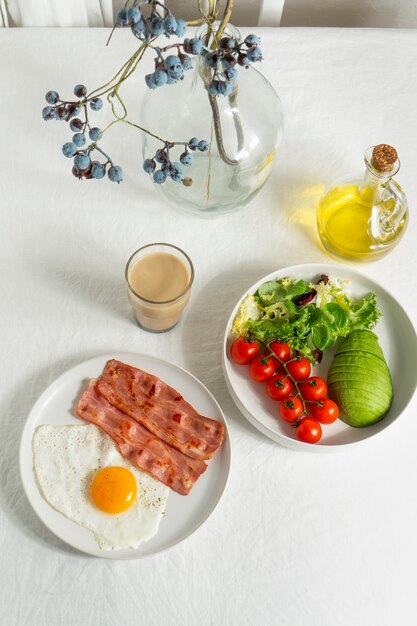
(138, 445)
(161, 409)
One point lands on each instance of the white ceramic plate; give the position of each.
(184, 514)
(397, 338)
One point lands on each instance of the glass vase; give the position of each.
(244, 131)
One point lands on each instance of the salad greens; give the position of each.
(307, 316)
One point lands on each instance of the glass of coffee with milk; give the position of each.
(159, 278)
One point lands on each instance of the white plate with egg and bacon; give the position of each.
(58, 464)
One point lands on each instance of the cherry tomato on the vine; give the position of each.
(308, 430)
(290, 409)
(299, 368)
(325, 411)
(314, 388)
(282, 350)
(262, 368)
(243, 351)
(279, 387)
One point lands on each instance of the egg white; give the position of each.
(66, 459)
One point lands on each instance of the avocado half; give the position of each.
(359, 380)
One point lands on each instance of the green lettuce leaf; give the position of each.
(273, 313)
(364, 314)
(249, 310)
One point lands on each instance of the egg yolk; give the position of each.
(114, 489)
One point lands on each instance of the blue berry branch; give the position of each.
(148, 19)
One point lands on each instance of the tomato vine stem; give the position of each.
(294, 382)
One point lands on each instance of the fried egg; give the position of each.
(81, 474)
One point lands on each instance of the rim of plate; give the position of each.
(295, 444)
(27, 431)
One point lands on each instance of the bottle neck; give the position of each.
(374, 179)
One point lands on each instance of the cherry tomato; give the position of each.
(282, 350)
(299, 368)
(243, 352)
(291, 409)
(262, 368)
(279, 387)
(314, 388)
(308, 430)
(325, 411)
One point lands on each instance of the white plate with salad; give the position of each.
(313, 308)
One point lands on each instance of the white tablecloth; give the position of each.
(298, 538)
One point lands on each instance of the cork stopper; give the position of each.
(384, 157)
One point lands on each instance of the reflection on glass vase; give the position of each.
(244, 131)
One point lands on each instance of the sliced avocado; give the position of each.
(356, 395)
(339, 375)
(359, 380)
(364, 340)
(354, 353)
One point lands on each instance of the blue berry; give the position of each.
(138, 28)
(171, 81)
(203, 145)
(82, 161)
(76, 124)
(159, 78)
(72, 110)
(149, 166)
(186, 62)
(227, 43)
(77, 172)
(96, 104)
(225, 88)
(193, 143)
(79, 139)
(149, 81)
(196, 46)
(160, 156)
(69, 149)
(214, 88)
(178, 74)
(229, 60)
(252, 40)
(174, 66)
(186, 158)
(156, 25)
(211, 59)
(170, 25)
(48, 113)
(159, 176)
(80, 91)
(181, 27)
(95, 133)
(61, 113)
(134, 15)
(243, 60)
(115, 174)
(98, 170)
(122, 18)
(230, 73)
(176, 171)
(52, 97)
(254, 54)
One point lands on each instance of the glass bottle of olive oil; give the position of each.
(364, 219)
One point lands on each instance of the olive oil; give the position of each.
(363, 219)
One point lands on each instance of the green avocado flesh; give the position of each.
(359, 380)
